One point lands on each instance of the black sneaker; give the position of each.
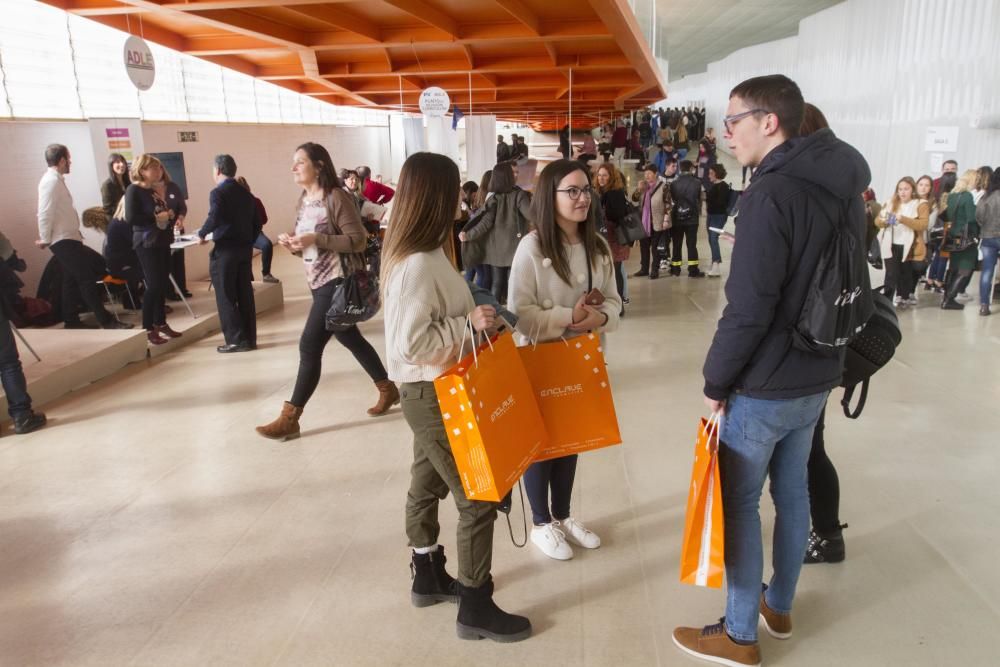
(825, 549)
(28, 422)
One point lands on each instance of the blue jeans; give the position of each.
(990, 249)
(11, 373)
(717, 220)
(760, 438)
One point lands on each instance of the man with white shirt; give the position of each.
(59, 231)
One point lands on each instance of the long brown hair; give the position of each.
(895, 202)
(479, 200)
(543, 209)
(423, 210)
(930, 194)
(615, 180)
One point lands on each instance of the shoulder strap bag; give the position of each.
(355, 296)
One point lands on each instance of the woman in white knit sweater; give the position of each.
(427, 303)
(554, 268)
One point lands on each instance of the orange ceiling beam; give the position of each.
(331, 49)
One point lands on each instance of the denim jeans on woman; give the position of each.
(716, 221)
(990, 249)
(760, 438)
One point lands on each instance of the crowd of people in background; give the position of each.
(939, 232)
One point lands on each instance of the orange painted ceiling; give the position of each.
(513, 58)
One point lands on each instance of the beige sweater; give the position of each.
(426, 304)
(544, 303)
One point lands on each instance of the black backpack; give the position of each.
(869, 351)
(839, 300)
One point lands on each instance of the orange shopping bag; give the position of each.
(571, 385)
(492, 420)
(702, 561)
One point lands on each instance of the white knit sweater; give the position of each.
(426, 304)
(544, 303)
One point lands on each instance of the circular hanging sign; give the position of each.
(434, 102)
(139, 63)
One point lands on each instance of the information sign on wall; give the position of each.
(139, 63)
(942, 139)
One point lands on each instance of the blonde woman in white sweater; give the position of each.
(426, 306)
(554, 268)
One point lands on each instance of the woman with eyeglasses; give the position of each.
(555, 268)
(506, 221)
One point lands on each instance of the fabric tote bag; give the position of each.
(489, 411)
(570, 381)
(702, 562)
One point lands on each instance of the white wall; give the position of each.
(263, 155)
(882, 71)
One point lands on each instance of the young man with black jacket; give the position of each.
(234, 223)
(686, 195)
(771, 392)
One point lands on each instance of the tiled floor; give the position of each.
(149, 525)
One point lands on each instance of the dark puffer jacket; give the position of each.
(800, 191)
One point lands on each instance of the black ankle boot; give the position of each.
(28, 422)
(951, 291)
(431, 582)
(480, 618)
(826, 548)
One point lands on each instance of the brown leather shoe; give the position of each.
(165, 330)
(154, 337)
(285, 427)
(711, 643)
(777, 625)
(388, 396)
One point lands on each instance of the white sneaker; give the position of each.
(578, 533)
(551, 541)
(963, 297)
(911, 300)
(897, 301)
(715, 272)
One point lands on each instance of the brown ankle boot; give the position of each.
(285, 427)
(388, 396)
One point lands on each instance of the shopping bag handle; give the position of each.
(533, 336)
(470, 332)
(712, 428)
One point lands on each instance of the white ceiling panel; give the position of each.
(698, 32)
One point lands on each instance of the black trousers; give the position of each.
(824, 485)
(230, 269)
(156, 270)
(649, 253)
(79, 280)
(556, 475)
(687, 234)
(620, 280)
(501, 274)
(313, 342)
(11, 374)
(900, 277)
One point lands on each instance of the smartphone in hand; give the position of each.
(594, 297)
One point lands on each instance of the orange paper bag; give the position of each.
(492, 420)
(571, 386)
(702, 562)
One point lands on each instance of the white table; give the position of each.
(180, 243)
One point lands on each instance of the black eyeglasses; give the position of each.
(730, 121)
(575, 192)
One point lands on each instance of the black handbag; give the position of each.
(957, 243)
(631, 230)
(355, 296)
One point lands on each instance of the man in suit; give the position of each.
(234, 223)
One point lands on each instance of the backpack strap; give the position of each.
(849, 394)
